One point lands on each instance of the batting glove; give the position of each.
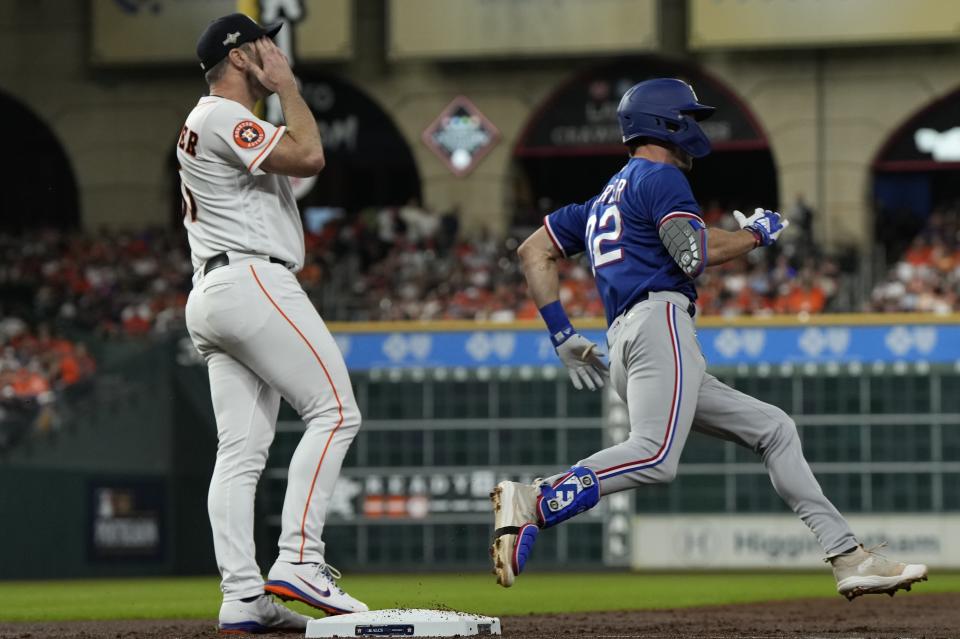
(583, 361)
(764, 224)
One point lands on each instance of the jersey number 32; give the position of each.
(603, 237)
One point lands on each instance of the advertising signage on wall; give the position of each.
(165, 31)
(782, 541)
(858, 346)
(126, 520)
(581, 117)
(412, 494)
(792, 23)
(480, 28)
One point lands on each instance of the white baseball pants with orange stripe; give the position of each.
(658, 369)
(263, 339)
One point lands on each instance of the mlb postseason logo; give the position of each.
(461, 136)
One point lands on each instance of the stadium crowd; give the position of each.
(110, 283)
(926, 278)
(35, 363)
(57, 283)
(394, 264)
(382, 264)
(792, 278)
(34, 366)
(408, 263)
(413, 265)
(414, 268)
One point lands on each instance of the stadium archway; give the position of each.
(369, 162)
(916, 171)
(572, 144)
(40, 190)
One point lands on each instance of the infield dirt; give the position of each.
(927, 616)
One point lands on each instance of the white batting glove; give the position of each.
(766, 225)
(583, 361)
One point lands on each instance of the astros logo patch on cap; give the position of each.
(248, 134)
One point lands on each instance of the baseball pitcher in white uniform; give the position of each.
(261, 337)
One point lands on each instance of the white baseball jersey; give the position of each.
(230, 203)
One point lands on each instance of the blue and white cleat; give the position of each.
(261, 615)
(314, 585)
(515, 528)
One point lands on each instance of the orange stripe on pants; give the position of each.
(316, 473)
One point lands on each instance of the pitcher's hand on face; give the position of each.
(274, 71)
(583, 360)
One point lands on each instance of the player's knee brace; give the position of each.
(576, 492)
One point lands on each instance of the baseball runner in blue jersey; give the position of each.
(647, 244)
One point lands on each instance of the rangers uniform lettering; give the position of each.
(611, 220)
(612, 192)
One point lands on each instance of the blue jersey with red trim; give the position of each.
(619, 230)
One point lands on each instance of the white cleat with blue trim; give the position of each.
(261, 615)
(314, 585)
(515, 528)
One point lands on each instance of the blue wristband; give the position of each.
(557, 322)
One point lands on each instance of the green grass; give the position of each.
(199, 597)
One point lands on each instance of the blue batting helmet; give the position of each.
(665, 109)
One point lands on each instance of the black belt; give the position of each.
(643, 297)
(222, 259)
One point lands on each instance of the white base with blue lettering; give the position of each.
(404, 623)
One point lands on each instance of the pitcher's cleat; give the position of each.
(515, 528)
(864, 572)
(261, 615)
(314, 585)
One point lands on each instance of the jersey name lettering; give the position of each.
(188, 141)
(612, 192)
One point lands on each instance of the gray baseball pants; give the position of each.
(658, 369)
